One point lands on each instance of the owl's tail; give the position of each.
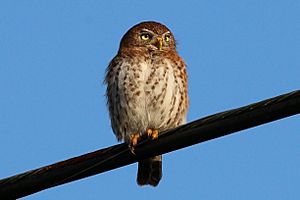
(149, 171)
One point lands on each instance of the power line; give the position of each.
(113, 157)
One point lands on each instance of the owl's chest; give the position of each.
(150, 92)
(157, 76)
(150, 84)
(159, 84)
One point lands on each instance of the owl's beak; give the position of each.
(159, 43)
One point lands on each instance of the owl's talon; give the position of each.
(134, 138)
(149, 132)
(132, 150)
(152, 133)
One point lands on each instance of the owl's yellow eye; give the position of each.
(167, 38)
(145, 36)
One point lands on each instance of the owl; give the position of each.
(146, 91)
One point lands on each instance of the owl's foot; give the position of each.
(134, 138)
(152, 133)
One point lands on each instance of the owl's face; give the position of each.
(150, 35)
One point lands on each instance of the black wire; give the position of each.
(201, 130)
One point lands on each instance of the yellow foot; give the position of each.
(134, 138)
(152, 133)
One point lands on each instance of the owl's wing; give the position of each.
(112, 94)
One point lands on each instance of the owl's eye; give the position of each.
(167, 38)
(145, 36)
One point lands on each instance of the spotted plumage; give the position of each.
(146, 89)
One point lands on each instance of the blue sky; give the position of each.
(52, 105)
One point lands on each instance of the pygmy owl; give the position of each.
(146, 90)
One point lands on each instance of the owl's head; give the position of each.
(150, 35)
